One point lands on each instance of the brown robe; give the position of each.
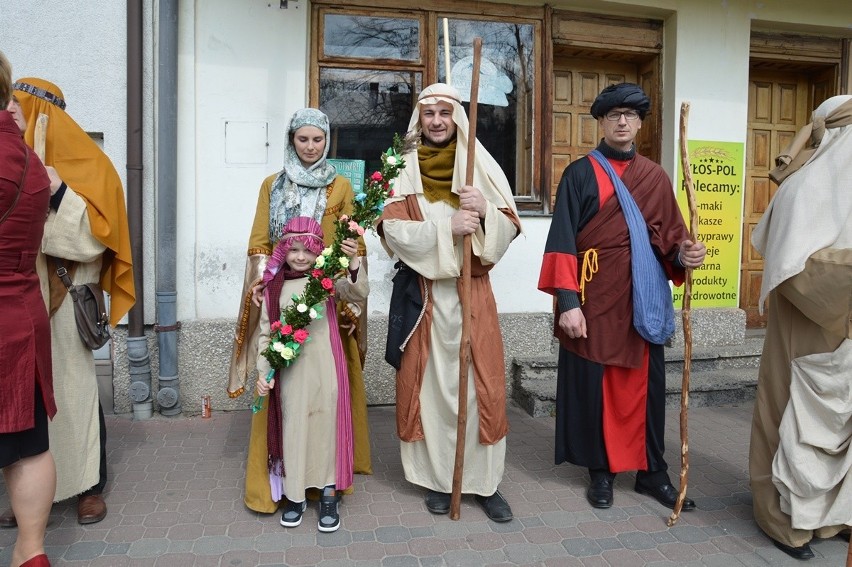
(486, 353)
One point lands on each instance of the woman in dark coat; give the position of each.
(26, 381)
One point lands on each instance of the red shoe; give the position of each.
(37, 561)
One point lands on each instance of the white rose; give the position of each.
(326, 251)
(391, 160)
(313, 314)
(320, 262)
(278, 347)
(287, 353)
(344, 262)
(301, 308)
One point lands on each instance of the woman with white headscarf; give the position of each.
(307, 186)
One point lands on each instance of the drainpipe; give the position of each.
(168, 396)
(138, 360)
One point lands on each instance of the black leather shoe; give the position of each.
(599, 493)
(665, 494)
(438, 502)
(844, 536)
(803, 552)
(496, 507)
(7, 519)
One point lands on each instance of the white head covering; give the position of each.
(488, 177)
(812, 208)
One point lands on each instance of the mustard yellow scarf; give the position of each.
(436, 173)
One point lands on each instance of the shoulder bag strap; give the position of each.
(62, 272)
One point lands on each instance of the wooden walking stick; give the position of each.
(687, 323)
(40, 135)
(849, 554)
(465, 298)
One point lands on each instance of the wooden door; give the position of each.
(576, 83)
(778, 107)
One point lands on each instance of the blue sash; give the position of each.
(653, 312)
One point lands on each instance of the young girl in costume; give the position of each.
(309, 432)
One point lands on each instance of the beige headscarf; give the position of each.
(488, 177)
(813, 205)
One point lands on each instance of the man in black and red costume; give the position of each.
(610, 401)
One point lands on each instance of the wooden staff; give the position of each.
(687, 323)
(40, 135)
(447, 51)
(849, 554)
(465, 298)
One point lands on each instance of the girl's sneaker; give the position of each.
(292, 514)
(329, 518)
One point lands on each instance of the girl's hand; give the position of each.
(350, 248)
(263, 387)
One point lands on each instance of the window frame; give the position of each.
(537, 198)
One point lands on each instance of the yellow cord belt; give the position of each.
(590, 268)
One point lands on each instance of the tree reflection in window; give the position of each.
(369, 37)
(370, 103)
(366, 108)
(506, 131)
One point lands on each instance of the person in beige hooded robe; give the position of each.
(423, 225)
(800, 457)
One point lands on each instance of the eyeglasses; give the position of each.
(614, 115)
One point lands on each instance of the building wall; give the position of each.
(243, 67)
(249, 55)
(247, 62)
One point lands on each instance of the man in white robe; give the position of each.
(424, 226)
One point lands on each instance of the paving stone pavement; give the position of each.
(175, 499)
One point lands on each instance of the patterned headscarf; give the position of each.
(305, 230)
(298, 191)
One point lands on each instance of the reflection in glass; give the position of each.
(365, 109)
(508, 59)
(370, 37)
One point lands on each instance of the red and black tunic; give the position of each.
(611, 385)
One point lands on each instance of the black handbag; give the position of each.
(406, 306)
(89, 310)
